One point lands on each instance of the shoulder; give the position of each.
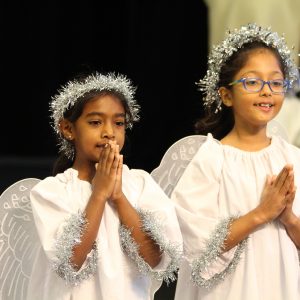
(286, 151)
(135, 175)
(209, 156)
(139, 179)
(206, 165)
(282, 144)
(55, 184)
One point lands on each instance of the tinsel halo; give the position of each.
(69, 94)
(232, 43)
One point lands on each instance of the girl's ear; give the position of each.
(66, 129)
(226, 96)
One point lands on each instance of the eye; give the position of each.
(252, 81)
(95, 122)
(120, 123)
(277, 83)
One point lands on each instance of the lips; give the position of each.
(101, 145)
(267, 105)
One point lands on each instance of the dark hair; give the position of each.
(220, 123)
(72, 114)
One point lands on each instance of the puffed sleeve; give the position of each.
(60, 222)
(292, 154)
(159, 221)
(203, 226)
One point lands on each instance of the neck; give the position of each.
(248, 139)
(85, 171)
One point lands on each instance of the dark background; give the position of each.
(160, 45)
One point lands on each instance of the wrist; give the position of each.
(289, 220)
(259, 217)
(98, 197)
(119, 199)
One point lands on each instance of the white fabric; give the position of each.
(222, 181)
(281, 15)
(53, 201)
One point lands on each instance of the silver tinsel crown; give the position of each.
(232, 43)
(69, 94)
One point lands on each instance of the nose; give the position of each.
(266, 89)
(108, 131)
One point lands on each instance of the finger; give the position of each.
(119, 171)
(103, 156)
(117, 149)
(120, 166)
(112, 143)
(111, 157)
(287, 183)
(115, 163)
(268, 181)
(273, 178)
(293, 182)
(281, 177)
(290, 197)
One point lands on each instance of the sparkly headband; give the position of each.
(232, 43)
(74, 90)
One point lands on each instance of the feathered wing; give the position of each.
(276, 128)
(19, 241)
(175, 160)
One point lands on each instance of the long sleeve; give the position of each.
(203, 225)
(60, 222)
(159, 221)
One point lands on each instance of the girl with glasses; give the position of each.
(237, 202)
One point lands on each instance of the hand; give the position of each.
(274, 195)
(117, 192)
(104, 180)
(287, 214)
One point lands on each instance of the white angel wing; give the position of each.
(175, 160)
(276, 128)
(19, 241)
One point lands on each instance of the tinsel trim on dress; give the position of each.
(70, 237)
(214, 247)
(154, 229)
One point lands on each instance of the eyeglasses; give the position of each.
(254, 85)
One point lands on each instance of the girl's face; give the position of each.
(255, 109)
(102, 119)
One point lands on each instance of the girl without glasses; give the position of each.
(107, 232)
(237, 202)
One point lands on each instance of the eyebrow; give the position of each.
(257, 72)
(100, 114)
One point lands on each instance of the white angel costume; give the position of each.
(221, 183)
(113, 269)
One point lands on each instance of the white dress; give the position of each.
(108, 272)
(220, 183)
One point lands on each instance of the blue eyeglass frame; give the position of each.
(285, 82)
